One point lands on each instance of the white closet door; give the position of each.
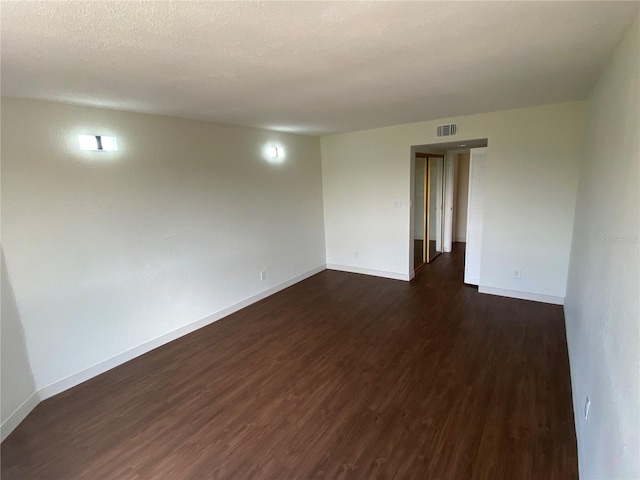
(475, 215)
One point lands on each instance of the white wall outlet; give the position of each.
(397, 204)
(587, 406)
(263, 275)
(356, 254)
(517, 273)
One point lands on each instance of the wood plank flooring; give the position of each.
(418, 254)
(340, 376)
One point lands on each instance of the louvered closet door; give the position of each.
(474, 215)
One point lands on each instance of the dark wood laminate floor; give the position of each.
(418, 254)
(340, 376)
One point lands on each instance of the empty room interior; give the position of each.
(291, 240)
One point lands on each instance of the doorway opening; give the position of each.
(441, 193)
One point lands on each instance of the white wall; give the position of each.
(462, 197)
(601, 309)
(532, 174)
(109, 251)
(418, 201)
(435, 194)
(17, 386)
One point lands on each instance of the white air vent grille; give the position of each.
(447, 130)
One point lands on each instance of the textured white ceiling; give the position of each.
(308, 67)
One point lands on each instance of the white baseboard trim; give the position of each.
(71, 381)
(535, 297)
(19, 415)
(84, 375)
(367, 271)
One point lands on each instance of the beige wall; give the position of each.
(531, 180)
(418, 201)
(602, 308)
(462, 197)
(17, 386)
(109, 252)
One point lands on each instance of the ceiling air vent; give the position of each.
(447, 130)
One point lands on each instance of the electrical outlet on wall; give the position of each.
(263, 275)
(517, 273)
(356, 254)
